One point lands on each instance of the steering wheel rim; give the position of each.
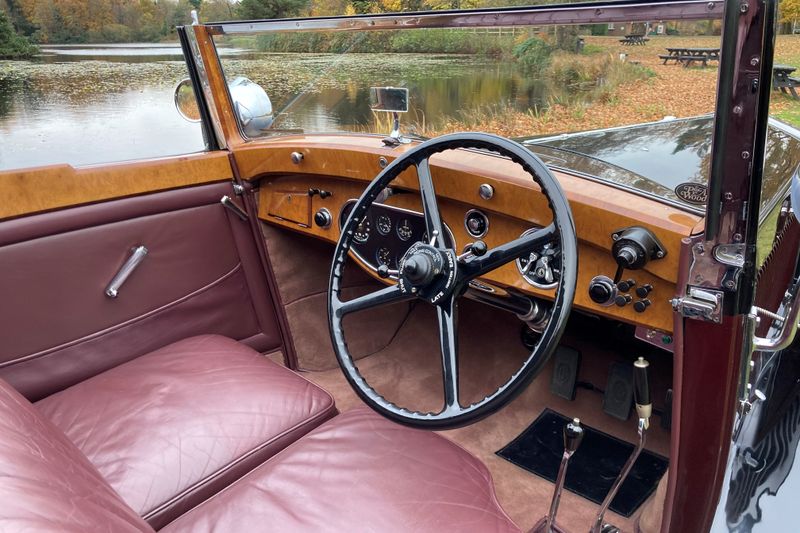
(451, 280)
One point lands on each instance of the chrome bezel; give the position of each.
(526, 278)
(466, 227)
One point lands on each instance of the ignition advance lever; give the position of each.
(573, 434)
(644, 408)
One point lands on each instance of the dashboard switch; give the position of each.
(602, 290)
(626, 285)
(622, 300)
(323, 218)
(644, 290)
(641, 305)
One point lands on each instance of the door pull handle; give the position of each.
(235, 209)
(137, 256)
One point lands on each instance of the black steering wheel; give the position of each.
(431, 271)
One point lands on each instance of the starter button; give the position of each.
(476, 223)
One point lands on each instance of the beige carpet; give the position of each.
(408, 372)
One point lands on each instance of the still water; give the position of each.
(85, 104)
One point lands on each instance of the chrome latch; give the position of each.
(700, 304)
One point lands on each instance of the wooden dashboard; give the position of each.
(343, 165)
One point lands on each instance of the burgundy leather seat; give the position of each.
(173, 427)
(358, 472)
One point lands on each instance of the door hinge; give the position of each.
(700, 304)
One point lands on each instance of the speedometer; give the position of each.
(362, 231)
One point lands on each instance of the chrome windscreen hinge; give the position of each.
(700, 304)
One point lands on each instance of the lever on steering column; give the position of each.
(644, 408)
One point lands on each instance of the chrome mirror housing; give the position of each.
(795, 193)
(185, 101)
(252, 106)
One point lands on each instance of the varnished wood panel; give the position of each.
(593, 259)
(33, 190)
(598, 209)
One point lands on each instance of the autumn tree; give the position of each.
(270, 9)
(12, 45)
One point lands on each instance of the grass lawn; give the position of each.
(672, 91)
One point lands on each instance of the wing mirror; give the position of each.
(795, 193)
(251, 104)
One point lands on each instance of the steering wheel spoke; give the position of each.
(505, 253)
(388, 295)
(430, 207)
(448, 343)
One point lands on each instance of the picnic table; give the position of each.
(687, 56)
(782, 79)
(634, 39)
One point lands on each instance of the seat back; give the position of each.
(46, 483)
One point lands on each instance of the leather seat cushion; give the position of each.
(358, 472)
(173, 427)
(46, 483)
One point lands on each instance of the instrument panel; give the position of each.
(386, 233)
(289, 196)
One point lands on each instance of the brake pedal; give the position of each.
(565, 372)
(618, 397)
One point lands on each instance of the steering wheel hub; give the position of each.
(427, 272)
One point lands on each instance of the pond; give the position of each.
(92, 104)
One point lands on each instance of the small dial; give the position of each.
(362, 231)
(384, 257)
(384, 224)
(541, 268)
(404, 230)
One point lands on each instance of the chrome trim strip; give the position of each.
(209, 94)
(584, 13)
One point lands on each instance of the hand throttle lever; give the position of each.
(644, 408)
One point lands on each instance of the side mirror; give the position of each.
(252, 106)
(390, 99)
(185, 101)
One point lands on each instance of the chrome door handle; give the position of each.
(137, 255)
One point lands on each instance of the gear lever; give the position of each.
(573, 433)
(644, 408)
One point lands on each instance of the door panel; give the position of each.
(201, 275)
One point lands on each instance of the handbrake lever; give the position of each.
(644, 408)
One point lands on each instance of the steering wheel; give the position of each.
(432, 271)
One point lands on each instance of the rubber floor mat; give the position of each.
(594, 466)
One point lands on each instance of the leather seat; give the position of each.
(358, 472)
(173, 427)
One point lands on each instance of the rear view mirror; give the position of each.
(390, 99)
(185, 101)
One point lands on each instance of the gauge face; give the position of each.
(541, 268)
(476, 223)
(383, 224)
(384, 257)
(362, 231)
(404, 230)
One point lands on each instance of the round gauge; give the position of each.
(384, 256)
(384, 224)
(541, 268)
(362, 231)
(404, 230)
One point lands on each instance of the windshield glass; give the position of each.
(627, 103)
